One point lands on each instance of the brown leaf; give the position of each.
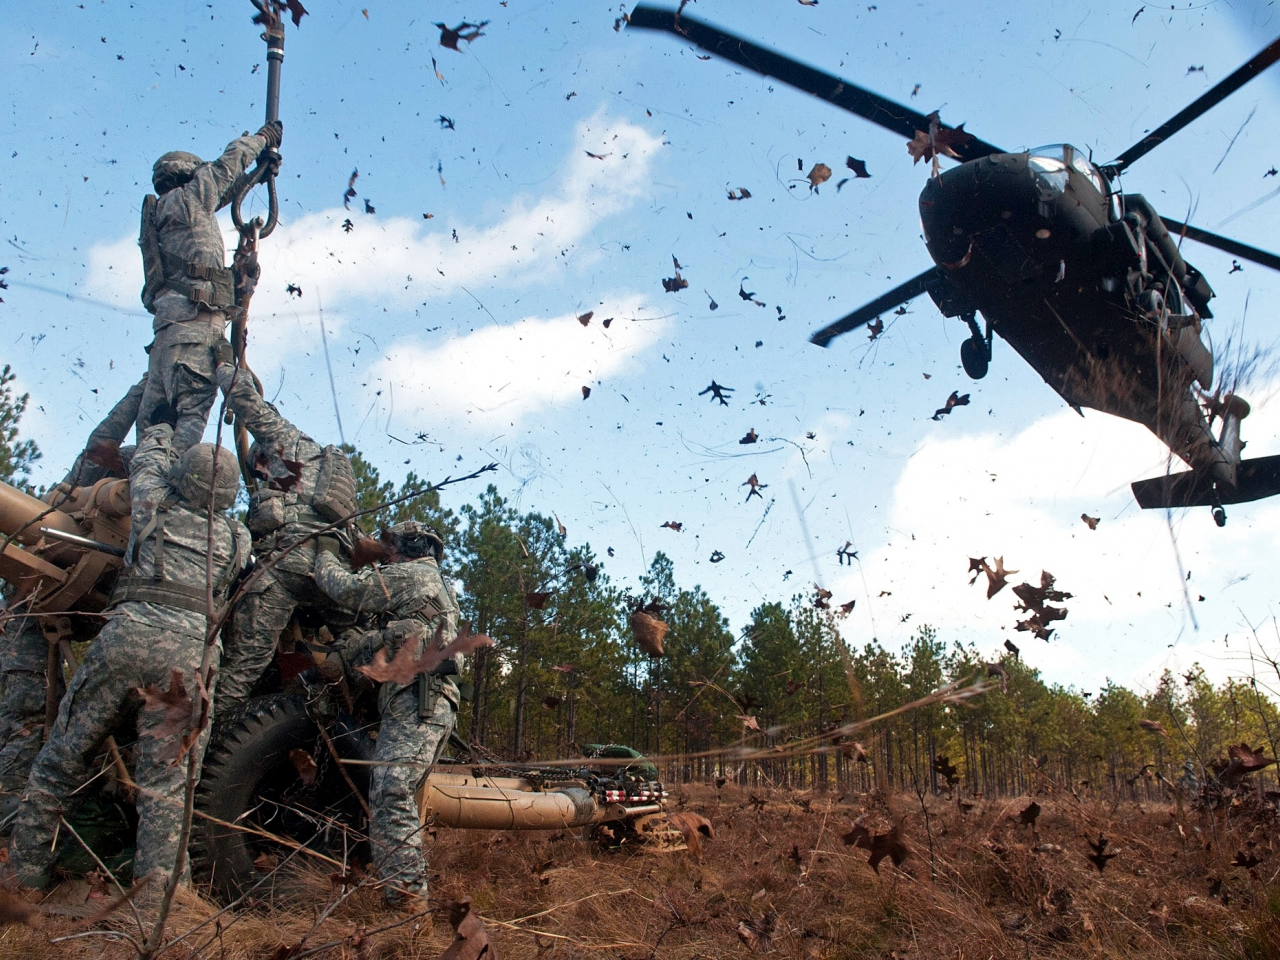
(551, 701)
(957, 399)
(471, 941)
(758, 934)
(1028, 816)
(859, 167)
(880, 845)
(997, 577)
(175, 711)
(672, 284)
(585, 318)
(875, 328)
(819, 175)
(750, 437)
(449, 36)
(304, 764)
(649, 632)
(1153, 726)
(1100, 857)
(943, 766)
(675, 525)
(537, 600)
(106, 454)
(407, 664)
(854, 751)
(367, 550)
(13, 909)
(748, 722)
(1091, 522)
(694, 828)
(586, 392)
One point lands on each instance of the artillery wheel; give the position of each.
(250, 780)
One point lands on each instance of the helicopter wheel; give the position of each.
(1219, 516)
(975, 357)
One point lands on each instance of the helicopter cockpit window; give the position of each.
(1049, 168)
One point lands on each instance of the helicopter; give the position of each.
(1084, 281)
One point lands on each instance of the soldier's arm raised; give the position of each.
(212, 181)
(120, 420)
(259, 417)
(358, 592)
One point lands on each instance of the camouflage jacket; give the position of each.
(113, 429)
(169, 540)
(281, 441)
(390, 596)
(187, 223)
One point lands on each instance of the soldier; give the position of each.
(188, 286)
(304, 488)
(156, 624)
(407, 601)
(24, 651)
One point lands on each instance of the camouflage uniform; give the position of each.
(23, 648)
(180, 369)
(411, 602)
(140, 644)
(112, 430)
(278, 519)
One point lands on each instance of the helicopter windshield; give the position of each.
(1058, 156)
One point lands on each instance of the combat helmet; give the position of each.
(194, 474)
(414, 540)
(173, 169)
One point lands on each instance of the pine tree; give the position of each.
(16, 456)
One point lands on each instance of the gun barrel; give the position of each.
(87, 542)
(19, 512)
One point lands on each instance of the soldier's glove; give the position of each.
(222, 353)
(330, 545)
(273, 133)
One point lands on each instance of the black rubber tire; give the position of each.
(974, 357)
(249, 779)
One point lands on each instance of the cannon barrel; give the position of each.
(57, 575)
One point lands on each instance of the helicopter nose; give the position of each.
(972, 199)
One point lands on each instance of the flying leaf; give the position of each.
(819, 175)
(649, 632)
(537, 600)
(1029, 814)
(997, 578)
(407, 664)
(742, 193)
(875, 328)
(470, 940)
(859, 167)
(1090, 522)
(675, 525)
(585, 318)
(1153, 726)
(168, 716)
(694, 828)
(305, 764)
(13, 909)
(750, 437)
(943, 766)
(956, 399)
(1099, 858)
(756, 486)
(717, 392)
(449, 36)
(748, 722)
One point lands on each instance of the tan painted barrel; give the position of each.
(18, 508)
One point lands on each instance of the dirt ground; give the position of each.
(778, 878)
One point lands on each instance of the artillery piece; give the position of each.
(289, 767)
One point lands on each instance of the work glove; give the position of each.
(331, 545)
(222, 353)
(273, 133)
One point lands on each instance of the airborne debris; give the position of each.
(859, 167)
(1090, 522)
(449, 37)
(755, 485)
(751, 297)
(957, 399)
(351, 189)
(717, 392)
(742, 193)
(996, 578)
(750, 437)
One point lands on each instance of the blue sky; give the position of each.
(469, 348)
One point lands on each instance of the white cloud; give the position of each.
(499, 374)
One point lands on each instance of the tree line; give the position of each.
(565, 670)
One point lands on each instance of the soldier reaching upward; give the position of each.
(188, 286)
(156, 624)
(304, 487)
(406, 600)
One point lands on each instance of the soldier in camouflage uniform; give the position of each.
(23, 648)
(283, 512)
(406, 600)
(156, 624)
(188, 286)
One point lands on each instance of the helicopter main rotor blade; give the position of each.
(894, 117)
(865, 314)
(1222, 90)
(1233, 247)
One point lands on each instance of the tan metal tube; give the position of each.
(470, 803)
(19, 510)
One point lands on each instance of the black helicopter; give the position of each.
(1086, 282)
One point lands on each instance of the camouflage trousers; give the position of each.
(256, 625)
(23, 660)
(407, 749)
(180, 372)
(127, 655)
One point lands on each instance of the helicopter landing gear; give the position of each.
(1220, 516)
(975, 352)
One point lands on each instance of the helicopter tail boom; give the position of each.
(1256, 479)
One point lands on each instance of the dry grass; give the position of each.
(986, 893)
